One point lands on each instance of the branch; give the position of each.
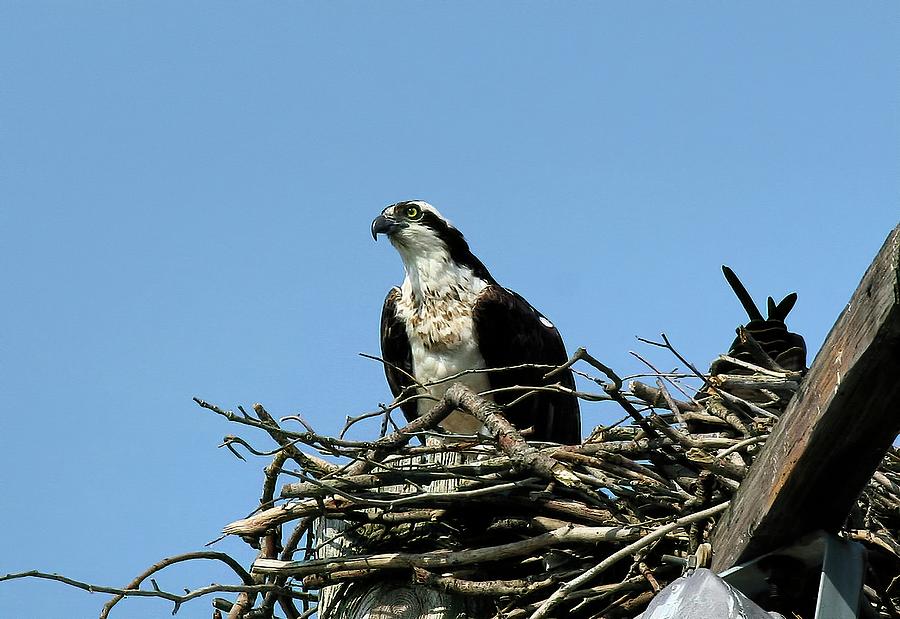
(509, 439)
(188, 556)
(177, 599)
(494, 588)
(444, 559)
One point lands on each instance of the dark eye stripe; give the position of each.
(427, 218)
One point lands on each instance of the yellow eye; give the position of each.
(413, 212)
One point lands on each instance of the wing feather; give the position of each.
(511, 332)
(396, 352)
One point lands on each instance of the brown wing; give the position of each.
(396, 352)
(511, 332)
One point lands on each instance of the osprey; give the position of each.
(450, 315)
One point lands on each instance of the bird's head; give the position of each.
(419, 232)
(415, 227)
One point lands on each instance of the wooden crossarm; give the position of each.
(834, 432)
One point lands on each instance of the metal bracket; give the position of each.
(840, 587)
(842, 565)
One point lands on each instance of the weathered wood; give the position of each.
(389, 599)
(394, 600)
(834, 432)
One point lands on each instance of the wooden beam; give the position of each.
(834, 432)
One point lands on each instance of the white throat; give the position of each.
(431, 275)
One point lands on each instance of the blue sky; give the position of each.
(186, 190)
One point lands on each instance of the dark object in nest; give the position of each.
(786, 349)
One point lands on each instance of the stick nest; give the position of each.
(501, 527)
(496, 526)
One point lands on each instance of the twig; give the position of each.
(177, 599)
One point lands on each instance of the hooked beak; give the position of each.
(386, 225)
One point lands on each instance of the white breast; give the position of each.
(436, 302)
(430, 365)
